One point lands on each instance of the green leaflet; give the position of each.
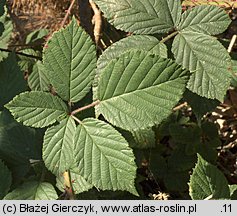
(142, 16)
(11, 80)
(144, 139)
(6, 120)
(190, 136)
(70, 62)
(200, 105)
(208, 61)
(205, 19)
(176, 181)
(33, 190)
(58, 146)
(157, 164)
(134, 42)
(207, 181)
(202, 54)
(26, 64)
(203, 140)
(37, 80)
(36, 35)
(5, 179)
(79, 184)
(138, 90)
(139, 42)
(18, 143)
(180, 161)
(104, 157)
(37, 109)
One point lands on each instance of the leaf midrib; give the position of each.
(194, 51)
(138, 90)
(98, 147)
(45, 108)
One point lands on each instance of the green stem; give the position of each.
(169, 37)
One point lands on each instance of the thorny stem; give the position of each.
(85, 107)
(20, 53)
(169, 37)
(68, 13)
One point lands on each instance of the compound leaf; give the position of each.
(207, 181)
(33, 190)
(5, 179)
(104, 157)
(142, 16)
(208, 61)
(37, 109)
(207, 19)
(138, 90)
(58, 146)
(70, 61)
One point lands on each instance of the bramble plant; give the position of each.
(91, 137)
